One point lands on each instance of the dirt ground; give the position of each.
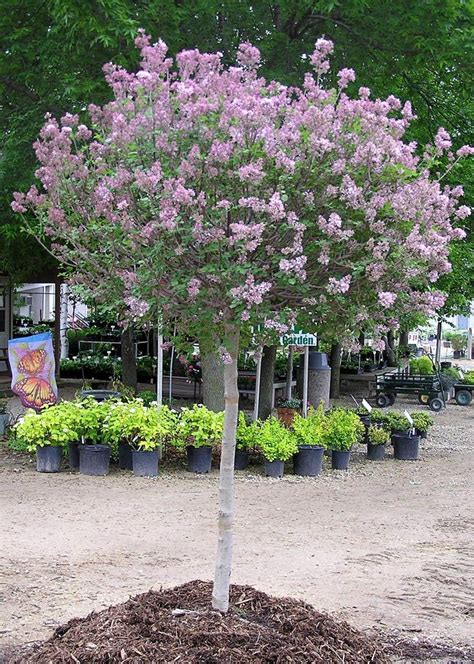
(387, 545)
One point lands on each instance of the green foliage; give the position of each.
(421, 365)
(380, 418)
(147, 396)
(343, 430)
(89, 416)
(458, 340)
(141, 427)
(378, 435)
(397, 422)
(451, 372)
(422, 420)
(275, 441)
(199, 427)
(57, 425)
(246, 434)
(310, 430)
(469, 378)
(290, 403)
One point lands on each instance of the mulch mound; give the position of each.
(179, 625)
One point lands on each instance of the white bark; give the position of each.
(220, 592)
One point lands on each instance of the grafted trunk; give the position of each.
(212, 377)
(220, 591)
(335, 370)
(266, 381)
(129, 362)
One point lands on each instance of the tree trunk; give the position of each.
(289, 373)
(362, 339)
(390, 349)
(212, 378)
(335, 370)
(225, 541)
(403, 340)
(266, 381)
(129, 362)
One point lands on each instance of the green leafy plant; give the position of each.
(343, 430)
(451, 372)
(310, 430)
(276, 442)
(91, 415)
(378, 436)
(246, 434)
(199, 427)
(422, 420)
(3, 405)
(147, 396)
(469, 378)
(397, 422)
(57, 426)
(421, 365)
(143, 428)
(290, 403)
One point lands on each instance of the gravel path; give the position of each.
(387, 545)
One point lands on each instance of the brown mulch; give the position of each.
(178, 625)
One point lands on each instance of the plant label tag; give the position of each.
(409, 418)
(367, 406)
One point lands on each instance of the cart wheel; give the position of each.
(423, 398)
(391, 399)
(463, 397)
(435, 404)
(382, 401)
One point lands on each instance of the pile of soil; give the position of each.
(178, 625)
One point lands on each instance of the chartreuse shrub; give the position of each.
(199, 427)
(378, 436)
(275, 441)
(422, 420)
(343, 429)
(310, 430)
(246, 434)
(143, 428)
(421, 365)
(469, 378)
(57, 425)
(91, 415)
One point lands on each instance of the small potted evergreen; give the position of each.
(308, 460)
(405, 442)
(342, 431)
(287, 409)
(277, 444)
(377, 438)
(199, 430)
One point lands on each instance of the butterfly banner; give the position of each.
(33, 370)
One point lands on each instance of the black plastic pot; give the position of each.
(125, 456)
(308, 461)
(73, 454)
(274, 468)
(48, 459)
(199, 459)
(145, 463)
(94, 459)
(241, 459)
(406, 447)
(375, 452)
(400, 432)
(340, 459)
(422, 434)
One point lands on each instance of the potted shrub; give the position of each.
(199, 429)
(459, 344)
(245, 440)
(277, 444)
(94, 456)
(287, 409)
(342, 431)
(4, 416)
(377, 438)
(422, 422)
(421, 365)
(48, 433)
(308, 460)
(397, 423)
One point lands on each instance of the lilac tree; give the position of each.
(218, 200)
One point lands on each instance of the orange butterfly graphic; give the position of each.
(32, 362)
(35, 392)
